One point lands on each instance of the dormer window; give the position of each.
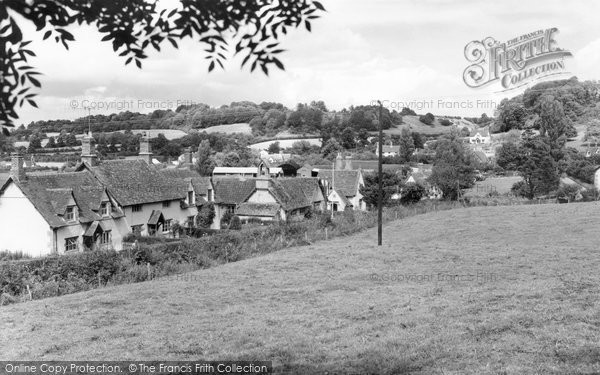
(71, 213)
(105, 209)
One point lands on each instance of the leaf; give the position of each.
(107, 37)
(173, 42)
(278, 63)
(265, 69)
(318, 5)
(34, 81)
(32, 103)
(245, 60)
(138, 63)
(47, 34)
(308, 27)
(128, 60)
(211, 66)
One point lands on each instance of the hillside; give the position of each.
(531, 306)
(413, 124)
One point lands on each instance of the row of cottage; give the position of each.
(98, 203)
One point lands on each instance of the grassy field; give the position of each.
(413, 124)
(487, 290)
(229, 129)
(501, 185)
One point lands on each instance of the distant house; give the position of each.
(480, 136)
(345, 185)
(420, 176)
(265, 168)
(388, 150)
(57, 213)
(267, 199)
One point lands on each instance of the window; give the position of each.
(71, 244)
(105, 238)
(167, 225)
(166, 204)
(70, 213)
(136, 208)
(105, 209)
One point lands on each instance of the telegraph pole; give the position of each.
(380, 179)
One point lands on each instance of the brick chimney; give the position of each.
(88, 152)
(145, 150)
(17, 169)
(187, 156)
(339, 162)
(262, 183)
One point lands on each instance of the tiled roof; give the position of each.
(294, 193)
(201, 184)
(233, 190)
(155, 217)
(388, 148)
(484, 132)
(290, 193)
(346, 182)
(51, 193)
(257, 209)
(343, 198)
(134, 182)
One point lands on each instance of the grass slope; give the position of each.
(340, 306)
(413, 124)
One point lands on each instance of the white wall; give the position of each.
(173, 212)
(22, 227)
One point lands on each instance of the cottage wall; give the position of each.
(23, 227)
(173, 212)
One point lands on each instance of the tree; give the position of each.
(407, 112)
(51, 143)
(331, 148)
(204, 164)
(274, 148)
(254, 28)
(34, 143)
(511, 114)
(301, 147)
(391, 182)
(407, 145)
(417, 140)
(412, 193)
(537, 167)
(206, 215)
(232, 159)
(508, 156)
(553, 122)
(452, 168)
(427, 119)
(348, 139)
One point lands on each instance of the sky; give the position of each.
(404, 53)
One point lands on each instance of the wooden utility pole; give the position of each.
(380, 179)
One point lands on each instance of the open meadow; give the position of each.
(485, 290)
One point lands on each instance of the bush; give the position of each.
(569, 192)
(226, 219)
(236, 223)
(445, 122)
(412, 193)
(427, 119)
(206, 215)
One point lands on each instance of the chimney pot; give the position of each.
(17, 169)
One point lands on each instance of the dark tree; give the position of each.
(391, 182)
(251, 28)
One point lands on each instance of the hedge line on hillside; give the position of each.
(53, 276)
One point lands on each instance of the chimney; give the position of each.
(262, 183)
(187, 156)
(339, 162)
(88, 153)
(145, 151)
(17, 170)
